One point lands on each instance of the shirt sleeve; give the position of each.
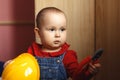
(75, 70)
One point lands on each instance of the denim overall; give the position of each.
(52, 68)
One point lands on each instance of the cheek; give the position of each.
(64, 37)
(48, 37)
(45, 34)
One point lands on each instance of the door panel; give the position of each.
(108, 37)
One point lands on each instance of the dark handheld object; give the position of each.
(97, 54)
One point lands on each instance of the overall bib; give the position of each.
(52, 68)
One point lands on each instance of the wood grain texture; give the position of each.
(108, 37)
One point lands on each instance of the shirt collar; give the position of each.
(52, 54)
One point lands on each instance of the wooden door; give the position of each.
(108, 37)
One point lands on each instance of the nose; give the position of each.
(57, 34)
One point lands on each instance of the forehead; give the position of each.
(52, 13)
(52, 17)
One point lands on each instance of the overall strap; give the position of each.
(62, 56)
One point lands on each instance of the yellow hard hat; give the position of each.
(23, 67)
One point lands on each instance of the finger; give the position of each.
(97, 65)
(93, 69)
(6, 63)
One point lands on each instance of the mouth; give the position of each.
(57, 41)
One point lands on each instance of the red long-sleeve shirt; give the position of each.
(75, 70)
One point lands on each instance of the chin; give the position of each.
(56, 46)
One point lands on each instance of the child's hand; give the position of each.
(6, 63)
(94, 68)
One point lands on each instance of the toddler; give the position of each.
(55, 59)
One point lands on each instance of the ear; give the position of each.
(37, 35)
(36, 31)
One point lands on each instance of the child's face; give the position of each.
(53, 31)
